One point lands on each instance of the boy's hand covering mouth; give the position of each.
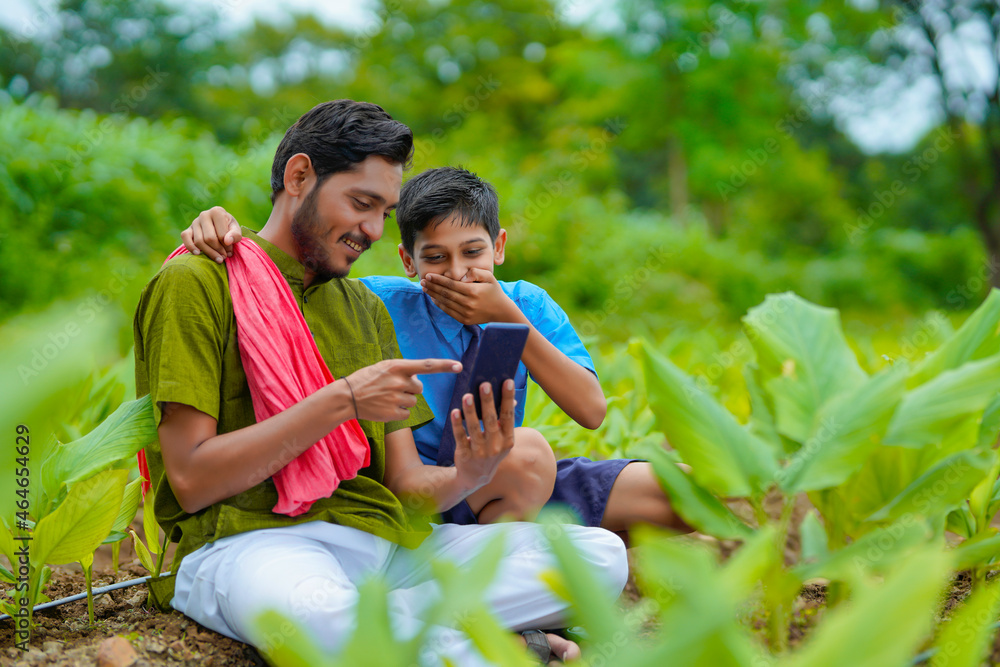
(475, 299)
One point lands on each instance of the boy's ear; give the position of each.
(409, 265)
(498, 247)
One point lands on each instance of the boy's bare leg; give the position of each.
(523, 482)
(637, 497)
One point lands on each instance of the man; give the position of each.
(335, 178)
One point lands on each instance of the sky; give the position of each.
(893, 127)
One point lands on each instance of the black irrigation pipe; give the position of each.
(80, 596)
(929, 653)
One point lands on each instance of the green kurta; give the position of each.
(186, 351)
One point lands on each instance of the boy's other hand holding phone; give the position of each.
(475, 299)
(479, 452)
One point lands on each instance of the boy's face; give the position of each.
(450, 248)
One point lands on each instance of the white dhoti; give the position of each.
(310, 572)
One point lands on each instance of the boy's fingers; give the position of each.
(203, 231)
(425, 366)
(447, 283)
(472, 419)
(461, 439)
(481, 275)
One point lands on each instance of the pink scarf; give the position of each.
(283, 366)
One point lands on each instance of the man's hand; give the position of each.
(479, 453)
(214, 232)
(386, 391)
(475, 299)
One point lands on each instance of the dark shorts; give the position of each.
(582, 485)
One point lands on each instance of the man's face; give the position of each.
(342, 217)
(450, 248)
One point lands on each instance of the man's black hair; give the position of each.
(338, 135)
(435, 194)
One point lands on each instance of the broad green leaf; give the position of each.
(964, 639)
(699, 508)
(6, 575)
(120, 436)
(81, 522)
(588, 595)
(803, 357)
(885, 624)
(373, 627)
(130, 503)
(142, 552)
(813, 539)
(977, 551)
(939, 490)
(874, 552)
(695, 603)
(752, 563)
(989, 427)
(927, 413)
(725, 457)
(285, 643)
(977, 338)
(761, 422)
(847, 430)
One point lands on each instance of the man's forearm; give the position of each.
(436, 488)
(204, 468)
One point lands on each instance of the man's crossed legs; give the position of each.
(310, 573)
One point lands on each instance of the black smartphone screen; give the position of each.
(500, 348)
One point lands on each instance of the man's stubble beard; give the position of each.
(306, 234)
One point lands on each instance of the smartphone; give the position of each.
(500, 348)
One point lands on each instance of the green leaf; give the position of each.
(130, 503)
(989, 427)
(804, 359)
(120, 436)
(150, 529)
(848, 428)
(939, 490)
(978, 338)
(142, 551)
(285, 643)
(977, 551)
(724, 457)
(752, 563)
(699, 508)
(932, 410)
(961, 521)
(964, 640)
(7, 547)
(761, 422)
(81, 522)
(813, 538)
(873, 552)
(885, 624)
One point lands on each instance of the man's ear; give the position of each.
(298, 174)
(498, 247)
(409, 265)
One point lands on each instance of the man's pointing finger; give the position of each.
(425, 366)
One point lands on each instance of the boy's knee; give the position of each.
(532, 454)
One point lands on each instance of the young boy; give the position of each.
(451, 239)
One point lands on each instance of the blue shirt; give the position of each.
(425, 331)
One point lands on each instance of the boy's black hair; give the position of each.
(338, 135)
(435, 194)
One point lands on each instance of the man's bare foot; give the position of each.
(563, 650)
